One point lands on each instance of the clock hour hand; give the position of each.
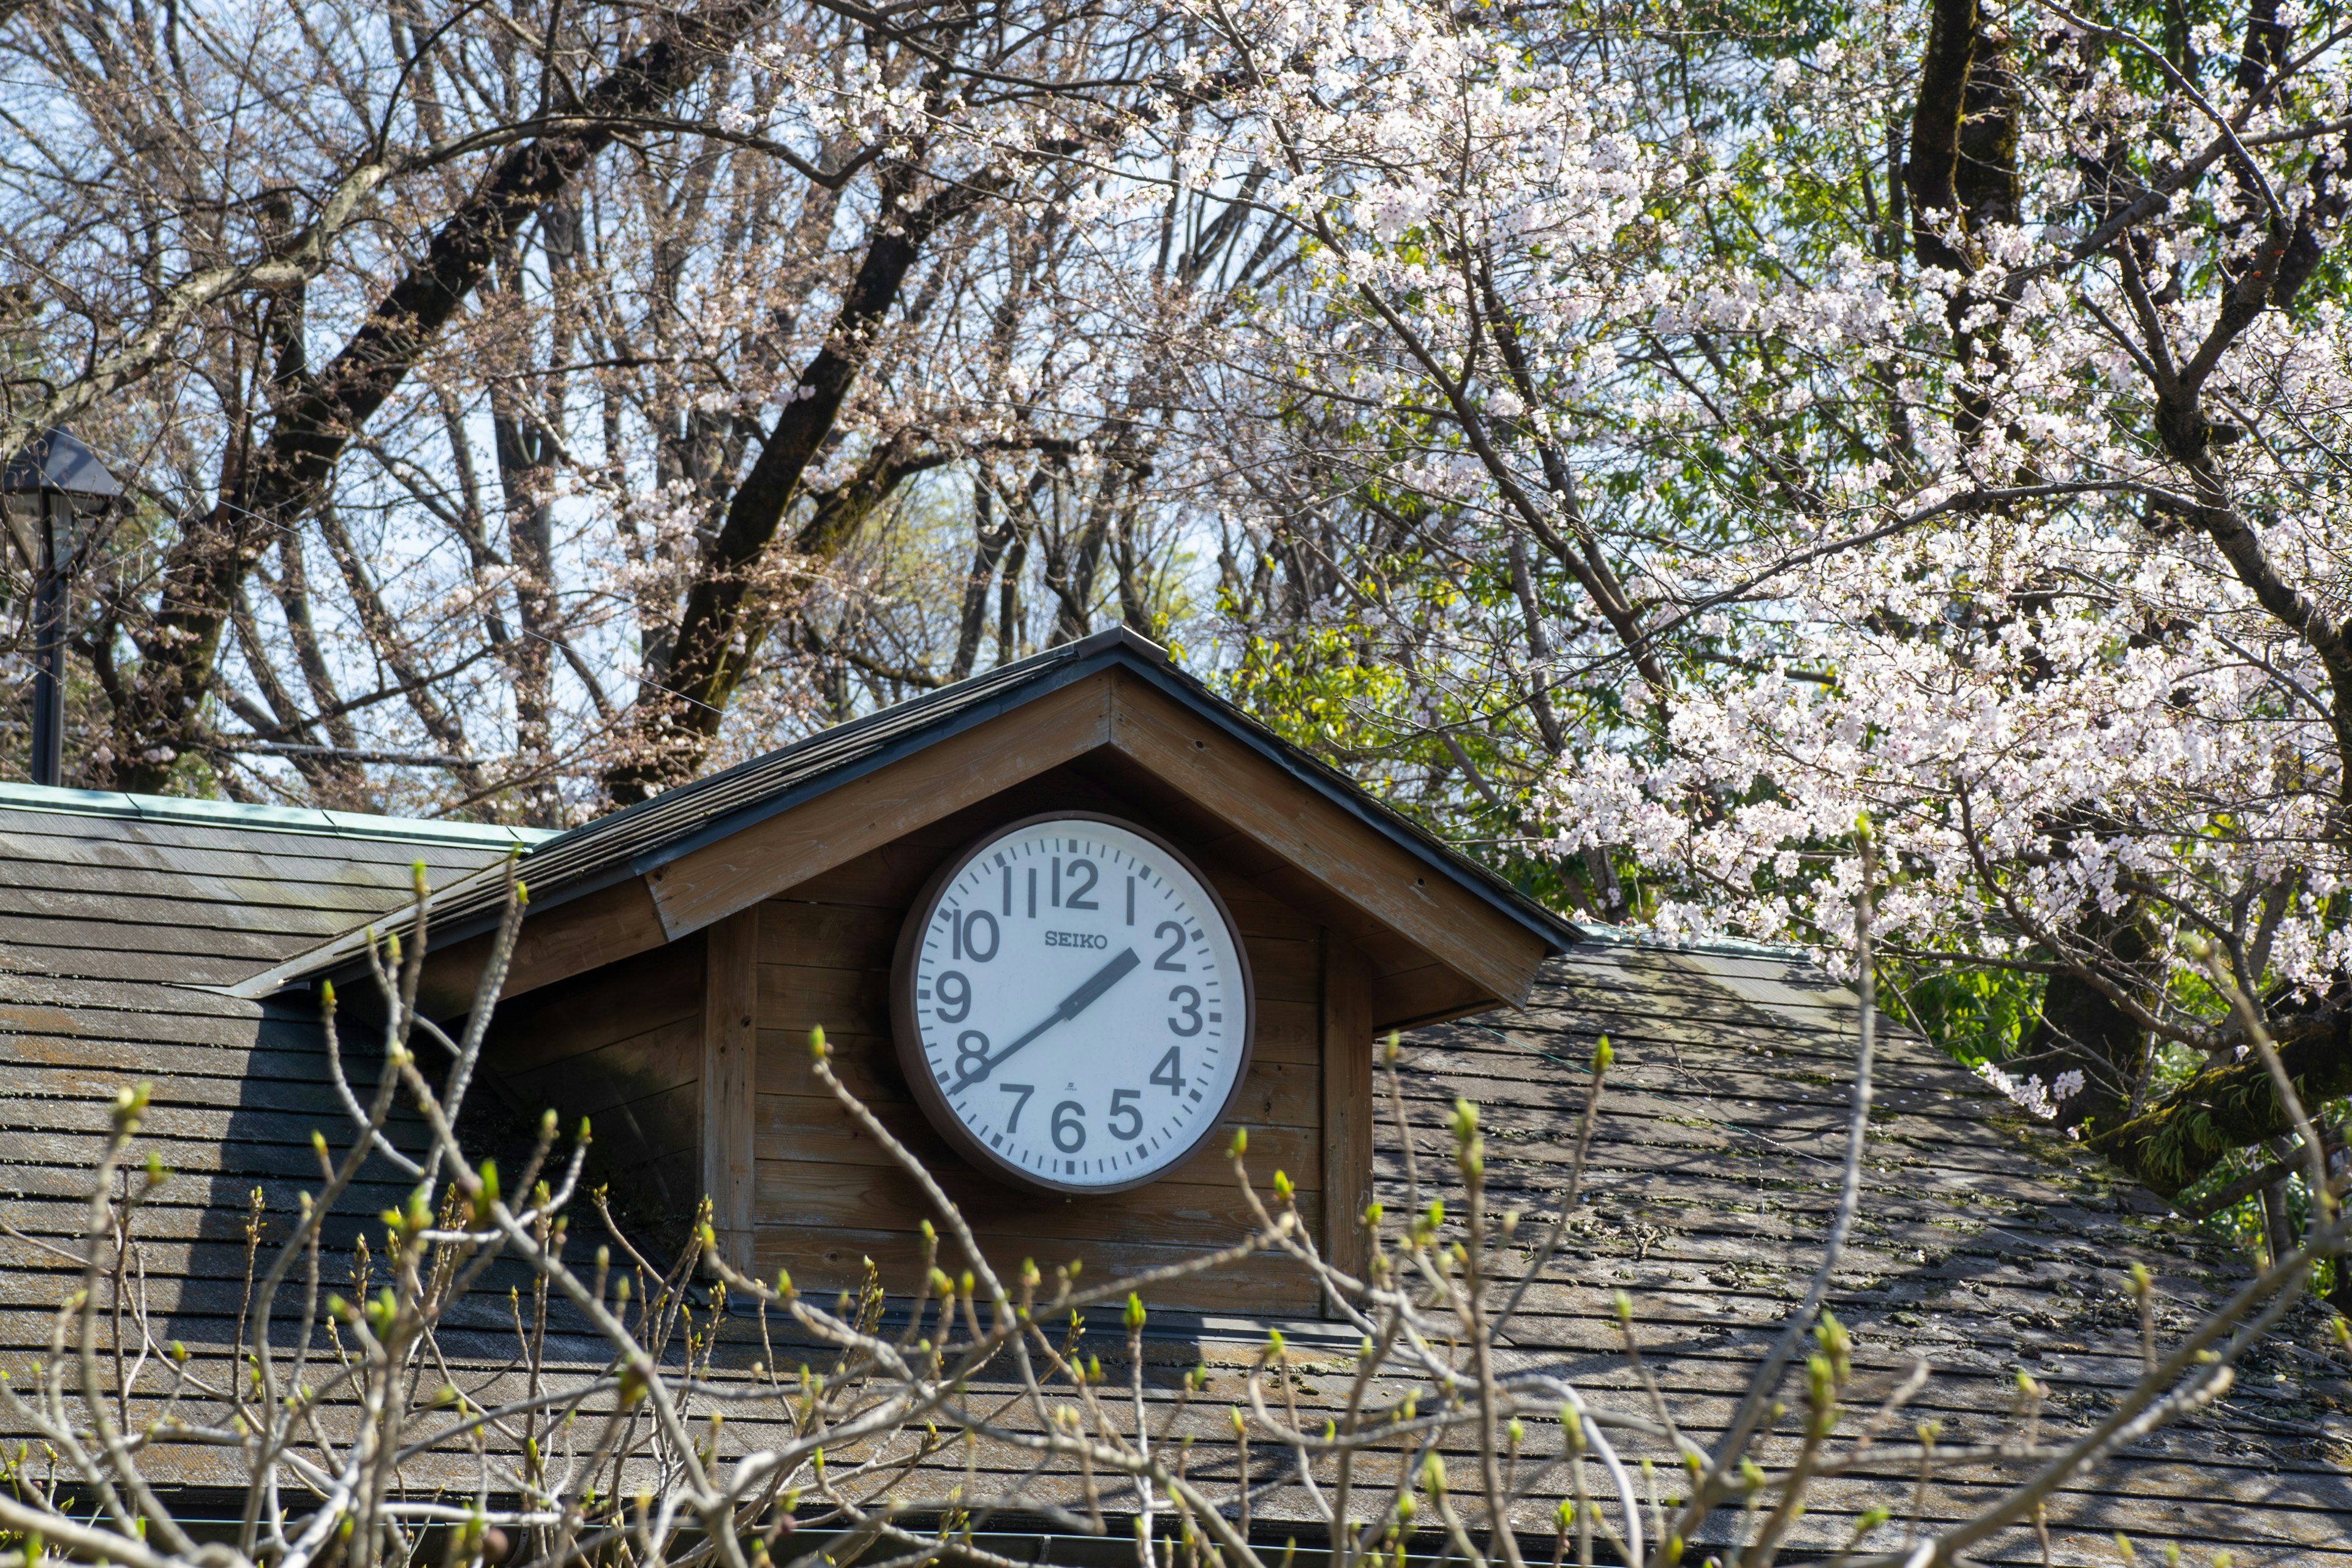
(1075, 1003)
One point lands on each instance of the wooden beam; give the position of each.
(766, 858)
(730, 1049)
(1468, 936)
(1347, 1074)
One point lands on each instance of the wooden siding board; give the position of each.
(606, 1077)
(808, 933)
(1346, 1082)
(808, 1129)
(730, 1038)
(588, 932)
(621, 1046)
(619, 1002)
(1408, 998)
(831, 1260)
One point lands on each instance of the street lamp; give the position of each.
(51, 490)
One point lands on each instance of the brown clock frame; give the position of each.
(909, 1040)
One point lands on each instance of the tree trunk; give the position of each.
(711, 654)
(2228, 1107)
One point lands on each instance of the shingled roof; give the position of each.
(1986, 1245)
(121, 919)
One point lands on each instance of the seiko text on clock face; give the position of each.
(1074, 1004)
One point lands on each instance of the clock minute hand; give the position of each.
(1075, 1003)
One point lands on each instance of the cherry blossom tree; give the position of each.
(1939, 421)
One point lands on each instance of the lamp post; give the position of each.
(50, 489)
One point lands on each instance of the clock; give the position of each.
(1072, 1004)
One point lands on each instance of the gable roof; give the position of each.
(645, 838)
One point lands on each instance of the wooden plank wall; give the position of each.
(622, 1046)
(828, 1197)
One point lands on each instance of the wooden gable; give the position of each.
(674, 1005)
(1438, 949)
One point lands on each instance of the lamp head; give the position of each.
(56, 480)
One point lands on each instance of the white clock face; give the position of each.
(1073, 1006)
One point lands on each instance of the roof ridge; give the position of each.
(120, 805)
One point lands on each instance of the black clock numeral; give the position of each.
(1121, 1106)
(1170, 1073)
(967, 937)
(1012, 1122)
(953, 991)
(1069, 1131)
(1077, 898)
(1187, 1001)
(1175, 945)
(971, 1053)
